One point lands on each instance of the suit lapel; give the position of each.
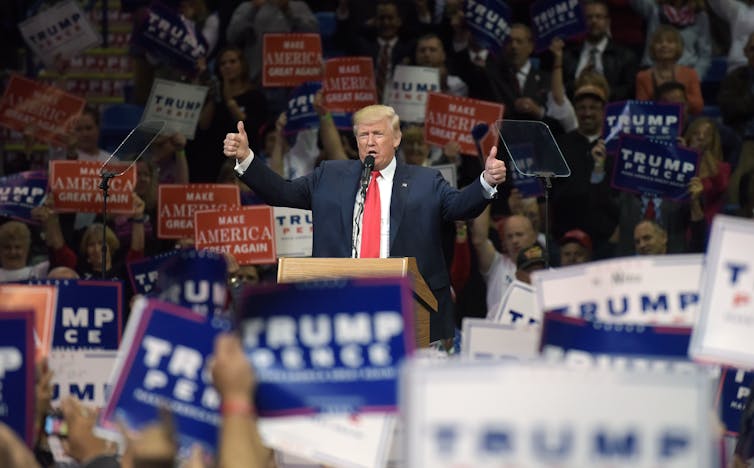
(398, 199)
(348, 200)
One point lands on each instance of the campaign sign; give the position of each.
(660, 122)
(643, 166)
(293, 232)
(349, 83)
(178, 104)
(244, 232)
(59, 32)
(732, 393)
(408, 91)
(652, 290)
(726, 319)
(330, 346)
(17, 372)
(74, 186)
(488, 21)
(485, 339)
(50, 111)
(291, 59)
(163, 363)
(519, 306)
(491, 414)
(22, 192)
(88, 315)
(41, 300)
(524, 154)
(195, 280)
(451, 118)
(83, 374)
(165, 34)
(144, 272)
(300, 114)
(556, 18)
(179, 202)
(449, 173)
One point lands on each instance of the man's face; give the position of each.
(87, 133)
(597, 21)
(518, 234)
(649, 241)
(675, 96)
(13, 255)
(573, 253)
(415, 150)
(590, 112)
(388, 21)
(430, 53)
(519, 45)
(379, 140)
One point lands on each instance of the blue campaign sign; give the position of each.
(564, 333)
(197, 280)
(644, 166)
(88, 315)
(164, 363)
(660, 122)
(523, 157)
(488, 21)
(734, 390)
(327, 347)
(300, 113)
(143, 273)
(164, 33)
(21, 192)
(17, 373)
(556, 18)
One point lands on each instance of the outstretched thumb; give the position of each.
(493, 153)
(241, 129)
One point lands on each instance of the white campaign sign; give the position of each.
(493, 414)
(726, 320)
(484, 339)
(652, 290)
(85, 374)
(61, 31)
(448, 172)
(519, 306)
(293, 232)
(336, 440)
(178, 104)
(407, 92)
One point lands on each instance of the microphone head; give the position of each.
(479, 131)
(369, 161)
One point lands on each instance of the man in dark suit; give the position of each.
(413, 202)
(601, 54)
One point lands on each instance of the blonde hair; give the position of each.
(595, 79)
(94, 232)
(15, 231)
(375, 113)
(665, 31)
(716, 149)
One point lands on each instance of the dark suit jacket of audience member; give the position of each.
(619, 65)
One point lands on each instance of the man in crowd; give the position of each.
(650, 238)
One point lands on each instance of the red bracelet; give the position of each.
(236, 407)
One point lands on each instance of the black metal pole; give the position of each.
(104, 186)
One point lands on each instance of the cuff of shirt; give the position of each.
(241, 166)
(488, 191)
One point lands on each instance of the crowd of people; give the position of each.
(475, 253)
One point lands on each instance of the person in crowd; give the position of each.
(650, 238)
(529, 260)
(83, 144)
(736, 99)
(714, 173)
(690, 19)
(600, 53)
(665, 47)
(331, 193)
(168, 153)
(430, 52)
(575, 248)
(232, 97)
(740, 17)
(15, 243)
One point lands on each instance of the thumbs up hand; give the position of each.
(494, 169)
(236, 145)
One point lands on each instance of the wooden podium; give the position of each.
(292, 269)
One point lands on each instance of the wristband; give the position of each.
(236, 407)
(327, 116)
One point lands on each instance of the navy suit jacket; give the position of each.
(421, 201)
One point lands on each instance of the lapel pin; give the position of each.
(404, 184)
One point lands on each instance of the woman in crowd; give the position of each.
(15, 243)
(665, 47)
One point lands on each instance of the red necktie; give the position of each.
(370, 223)
(650, 211)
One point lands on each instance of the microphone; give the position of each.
(478, 132)
(366, 171)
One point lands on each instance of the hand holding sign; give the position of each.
(81, 443)
(236, 145)
(494, 169)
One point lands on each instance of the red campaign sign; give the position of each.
(75, 187)
(48, 110)
(291, 59)
(451, 118)
(247, 233)
(179, 202)
(349, 84)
